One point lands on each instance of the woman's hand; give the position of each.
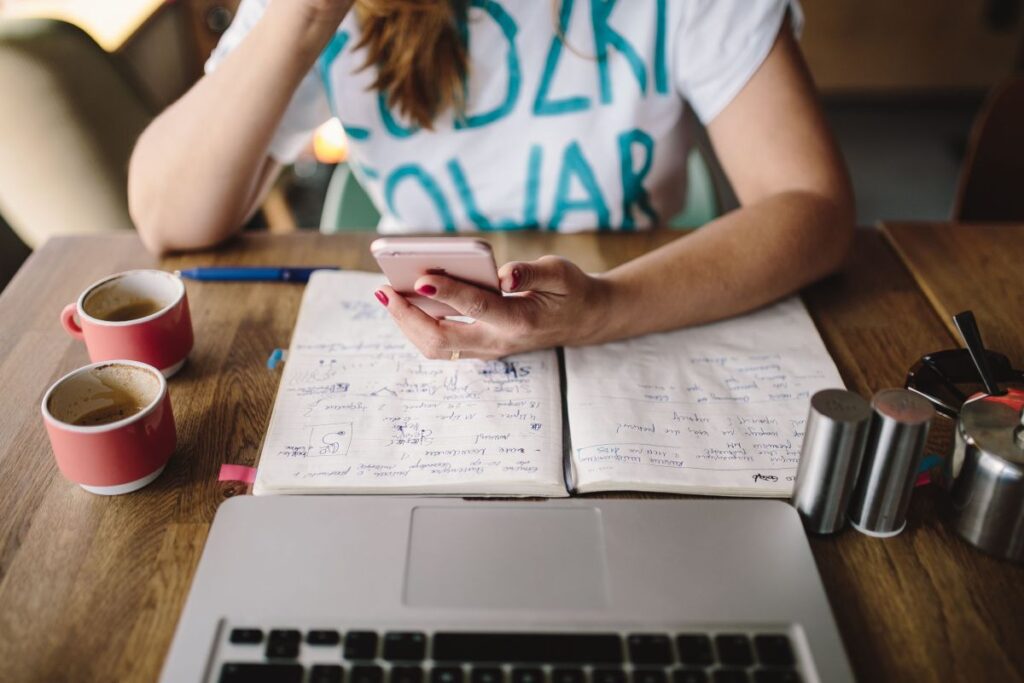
(552, 303)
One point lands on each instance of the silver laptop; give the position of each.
(410, 590)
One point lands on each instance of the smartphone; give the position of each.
(406, 259)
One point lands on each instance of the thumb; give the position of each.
(546, 274)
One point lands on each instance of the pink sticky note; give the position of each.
(246, 475)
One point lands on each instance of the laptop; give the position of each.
(305, 589)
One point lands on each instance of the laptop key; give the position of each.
(323, 637)
(527, 675)
(568, 676)
(649, 649)
(695, 649)
(774, 650)
(360, 645)
(283, 644)
(776, 676)
(246, 636)
(406, 674)
(410, 647)
(734, 649)
(366, 674)
(608, 676)
(260, 673)
(730, 676)
(689, 676)
(446, 674)
(486, 674)
(553, 648)
(649, 676)
(326, 673)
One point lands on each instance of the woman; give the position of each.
(505, 114)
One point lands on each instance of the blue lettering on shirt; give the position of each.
(633, 191)
(466, 195)
(390, 123)
(414, 171)
(660, 53)
(574, 165)
(605, 35)
(542, 106)
(323, 67)
(509, 29)
(530, 220)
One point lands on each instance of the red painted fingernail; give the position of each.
(381, 297)
(516, 277)
(427, 290)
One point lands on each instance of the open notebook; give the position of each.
(716, 410)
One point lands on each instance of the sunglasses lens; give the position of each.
(956, 366)
(927, 381)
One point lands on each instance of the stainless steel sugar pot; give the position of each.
(988, 494)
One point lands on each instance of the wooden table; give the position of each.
(91, 588)
(986, 275)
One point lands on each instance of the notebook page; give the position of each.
(359, 410)
(718, 409)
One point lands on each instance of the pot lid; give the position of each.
(995, 428)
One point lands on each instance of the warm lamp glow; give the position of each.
(330, 144)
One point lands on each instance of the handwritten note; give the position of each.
(360, 411)
(718, 409)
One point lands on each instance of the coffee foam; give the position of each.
(130, 288)
(93, 389)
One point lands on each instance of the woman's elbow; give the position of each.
(145, 214)
(163, 223)
(836, 226)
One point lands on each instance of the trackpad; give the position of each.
(506, 557)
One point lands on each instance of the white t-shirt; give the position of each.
(555, 137)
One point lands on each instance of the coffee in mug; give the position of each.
(110, 425)
(140, 315)
(132, 310)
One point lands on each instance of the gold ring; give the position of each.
(456, 354)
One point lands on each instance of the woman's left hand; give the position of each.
(553, 303)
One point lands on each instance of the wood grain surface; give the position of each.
(976, 267)
(91, 587)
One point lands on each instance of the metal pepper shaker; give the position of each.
(896, 442)
(834, 439)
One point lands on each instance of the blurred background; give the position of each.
(909, 86)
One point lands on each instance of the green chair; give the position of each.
(348, 208)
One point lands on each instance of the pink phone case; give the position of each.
(405, 259)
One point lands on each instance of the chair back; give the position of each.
(991, 185)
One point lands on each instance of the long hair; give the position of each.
(419, 49)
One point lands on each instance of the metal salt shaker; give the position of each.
(834, 439)
(896, 443)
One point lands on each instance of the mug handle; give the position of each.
(67, 319)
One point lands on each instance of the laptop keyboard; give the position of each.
(363, 656)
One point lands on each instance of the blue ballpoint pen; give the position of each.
(252, 274)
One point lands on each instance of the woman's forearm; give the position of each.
(738, 262)
(199, 168)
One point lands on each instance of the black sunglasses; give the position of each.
(949, 378)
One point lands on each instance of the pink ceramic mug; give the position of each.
(139, 315)
(110, 425)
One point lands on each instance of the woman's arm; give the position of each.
(795, 226)
(201, 168)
